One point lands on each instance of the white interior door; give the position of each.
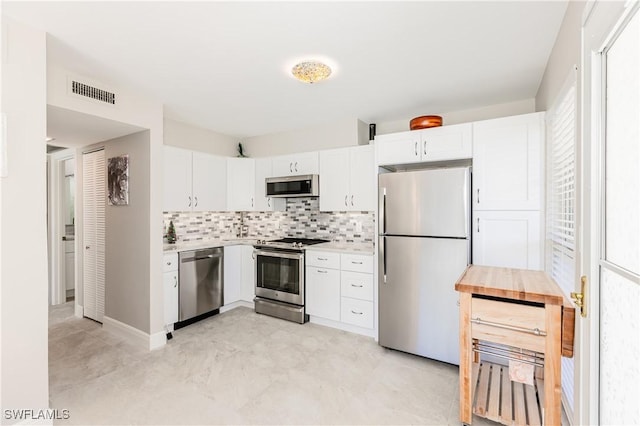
(94, 195)
(619, 260)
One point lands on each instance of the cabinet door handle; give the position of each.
(478, 225)
(478, 196)
(416, 148)
(269, 202)
(175, 281)
(291, 167)
(356, 263)
(196, 202)
(355, 312)
(168, 263)
(352, 201)
(322, 258)
(345, 200)
(424, 149)
(189, 201)
(320, 271)
(251, 201)
(87, 247)
(296, 166)
(356, 285)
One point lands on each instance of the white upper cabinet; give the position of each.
(434, 144)
(305, 163)
(507, 163)
(209, 182)
(334, 180)
(263, 167)
(177, 179)
(193, 181)
(240, 184)
(347, 179)
(399, 148)
(446, 142)
(362, 178)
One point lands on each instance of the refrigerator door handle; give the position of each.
(383, 210)
(383, 248)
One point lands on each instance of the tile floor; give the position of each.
(242, 368)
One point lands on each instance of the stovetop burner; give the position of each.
(303, 241)
(290, 243)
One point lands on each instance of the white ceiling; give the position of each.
(225, 66)
(73, 129)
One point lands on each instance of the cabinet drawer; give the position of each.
(323, 292)
(357, 263)
(323, 259)
(170, 262)
(356, 285)
(356, 312)
(500, 322)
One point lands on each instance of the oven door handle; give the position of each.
(284, 255)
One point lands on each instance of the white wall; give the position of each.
(23, 231)
(351, 132)
(195, 138)
(566, 53)
(127, 298)
(126, 244)
(338, 134)
(146, 114)
(524, 106)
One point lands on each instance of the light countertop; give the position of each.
(210, 243)
(342, 247)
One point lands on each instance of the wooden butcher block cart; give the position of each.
(518, 315)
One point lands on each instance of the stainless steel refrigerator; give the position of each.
(424, 247)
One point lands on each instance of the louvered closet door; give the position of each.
(93, 166)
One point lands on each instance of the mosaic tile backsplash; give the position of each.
(301, 219)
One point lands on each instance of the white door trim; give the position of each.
(602, 21)
(57, 290)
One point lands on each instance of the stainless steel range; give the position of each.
(280, 277)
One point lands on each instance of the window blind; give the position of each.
(561, 205)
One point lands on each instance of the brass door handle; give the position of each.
(579, 298)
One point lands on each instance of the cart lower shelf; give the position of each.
(499, 399)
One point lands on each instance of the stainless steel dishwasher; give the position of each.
(201, 282)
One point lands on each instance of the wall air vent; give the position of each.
(91, 92)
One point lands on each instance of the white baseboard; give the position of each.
(237, 304)
(369, 332)
(78, 311)
(157, 340)
(133, 335)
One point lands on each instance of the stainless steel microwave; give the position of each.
(292, 186)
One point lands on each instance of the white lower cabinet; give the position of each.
(323, 292)
(356, 285)
(232, 274)
(171, 288)
(239, 268)
(356, 312)
(247, 274)
(339, 287)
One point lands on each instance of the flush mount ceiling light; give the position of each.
(311, 71)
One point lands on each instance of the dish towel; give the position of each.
(521, 372)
